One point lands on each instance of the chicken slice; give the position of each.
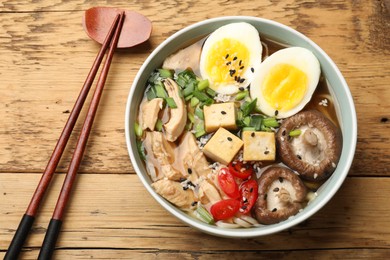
(163, 152)
(208, 193)
(149, 113)
(174, 192)
(177, 121)
(193, 159)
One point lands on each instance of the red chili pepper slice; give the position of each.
(228, 184)
(249, 194)
(225, 209)
(241, 170)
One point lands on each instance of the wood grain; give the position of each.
(104, 213)
(45, 57)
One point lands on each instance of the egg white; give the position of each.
(247, 35)
(301, 59)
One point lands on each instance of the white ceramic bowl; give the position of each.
(339, 90)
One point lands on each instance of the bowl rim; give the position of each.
(310, 209)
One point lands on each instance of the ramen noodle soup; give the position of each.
(237, 130)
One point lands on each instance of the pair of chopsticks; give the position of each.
(54, 227)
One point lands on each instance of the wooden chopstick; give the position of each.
(29, 216)
(54, 227)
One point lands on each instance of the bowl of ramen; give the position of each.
(240, 126)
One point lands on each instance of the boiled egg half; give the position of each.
(285, 81)
(229, 57)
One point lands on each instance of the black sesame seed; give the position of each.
(191, 184)
(235, 58)
(223, 112)
(228, 63)
(253, 70)
(242, 67)
(189, 170)
(245, 200)
(232, 72)
(235, 78)
(242, 80)
(241, 88)
(384, 119)
(265, 196)
(227, 56)
(276, 112)
(251, 190)
(253, 134)
(229, 139)
(284, 132)
(185, 188)
(194, 203)
(276, 189)
(266, 152)
(182, 179)
(244, 207)
(239, 64)
(299, 157)
(280, 179)
(275, 209)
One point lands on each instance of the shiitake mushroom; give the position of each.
(281, 195)
(315, 152)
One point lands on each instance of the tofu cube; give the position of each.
(220, 115)
(222, 146)
(258, 146)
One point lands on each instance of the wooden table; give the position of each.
(44, 58)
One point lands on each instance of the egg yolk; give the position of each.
(284, 87)
(226, 61)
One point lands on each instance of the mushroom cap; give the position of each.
(314, 154)
(281, 195)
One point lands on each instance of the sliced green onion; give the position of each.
(194, 101)
(203, 84)
(187, 74)
(188, 97)
(171, 102)
(200, 133)
(165, 73)
(208, 102)
(191, 117)
(188, 126)
(188, 90)
(201, 95)
(199, 113)
(199, 129)
(270, 122)
(239, 115)
(140, 148)
(211, 92)
(138, 129)
(160, 91)
(247, 121)
(241, 95)
(247, 107)
(153, 77)
(256, 121)
(248, 128)
(151, 93)
(265, 128)
(181, 81)
(158, 125)
(204, 215)
(295, 133)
